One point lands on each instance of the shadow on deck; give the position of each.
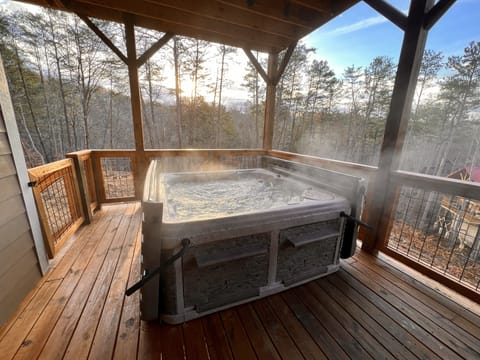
(368, 309)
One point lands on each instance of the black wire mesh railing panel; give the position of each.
(118, 178)
(439, 231)
(59, 200)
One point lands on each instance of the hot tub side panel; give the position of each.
(218, 274)
(225, 271)
(308, 251)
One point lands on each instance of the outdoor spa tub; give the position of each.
(239, 235)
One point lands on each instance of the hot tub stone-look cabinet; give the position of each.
(241, 249)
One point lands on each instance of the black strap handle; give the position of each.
(356, 221)
(147, 277)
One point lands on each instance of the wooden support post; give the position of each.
(82, 185)
(270, 102)
(136, 101)
(381, 206)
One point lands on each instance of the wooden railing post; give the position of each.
(381, 205)
(98, 176)
(136, 101)
(270, 102)
(83, 182)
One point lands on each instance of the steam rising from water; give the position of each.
(203, 197)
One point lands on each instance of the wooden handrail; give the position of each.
(436, 183)
(39, 173)
(342, 166)
(203, 152)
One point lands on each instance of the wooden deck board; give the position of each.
(438, 314)
(450, 344)
(368, 309)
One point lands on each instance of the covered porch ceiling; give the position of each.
(262, 25)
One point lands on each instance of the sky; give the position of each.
(360, 34)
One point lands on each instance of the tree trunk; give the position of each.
(46, 102)
(219, 109)
(29, 136)
(29, 103)
(62, 89)
(177, 91)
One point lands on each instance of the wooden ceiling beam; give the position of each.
(209, 35)
(390, 12)
(234, 15)
(183, 18)
(320, 6)
(153, 49)
(164, 26)
(282, 10)
(103, 37)
(435, 14)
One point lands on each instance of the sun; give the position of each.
(187, 87)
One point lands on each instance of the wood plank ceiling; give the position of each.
(263, 25)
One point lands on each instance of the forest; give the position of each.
(70, 92)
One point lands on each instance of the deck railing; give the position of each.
(414, 234)
(56, 192)
(434, 227)
(114, 175)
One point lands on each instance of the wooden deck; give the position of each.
(367, 310)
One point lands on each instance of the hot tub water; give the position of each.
(202, 197)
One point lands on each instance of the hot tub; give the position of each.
(252, 233)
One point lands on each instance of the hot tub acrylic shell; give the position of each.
(237, 258)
